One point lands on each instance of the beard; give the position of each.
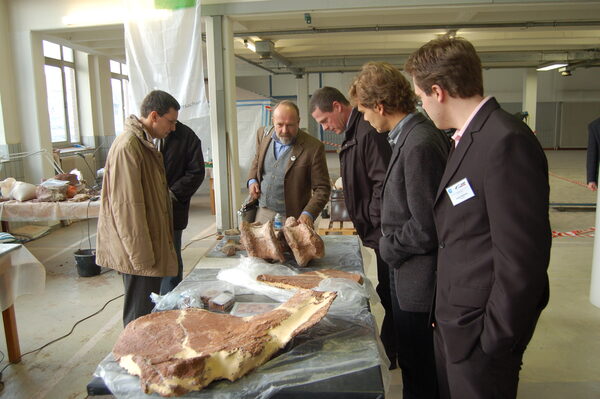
(285, 140)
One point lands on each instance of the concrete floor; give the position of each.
(563, 359)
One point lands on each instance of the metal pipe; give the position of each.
(446, 27)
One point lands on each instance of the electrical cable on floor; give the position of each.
(64, 336)
(198, 239)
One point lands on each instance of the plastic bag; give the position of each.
(187, 295)
(22, 191)
(245, 273)
(6, 186)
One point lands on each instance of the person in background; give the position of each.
(593, 154)
(135, 225)
(184, 167)
(364, 157)
(491, 214)
(289, 172)
(409, 241)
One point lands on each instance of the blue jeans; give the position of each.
(168, 283)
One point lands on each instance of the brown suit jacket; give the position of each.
(307, 185)
(494, 248)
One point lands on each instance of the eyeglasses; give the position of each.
(172, 122)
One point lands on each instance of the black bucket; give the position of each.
(86, 263)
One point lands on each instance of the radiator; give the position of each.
(70, 162)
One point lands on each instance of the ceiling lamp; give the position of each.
(565, 71)
(552, 66)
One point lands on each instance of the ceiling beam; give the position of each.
(516, 59)
(446, 27)
(287, 6)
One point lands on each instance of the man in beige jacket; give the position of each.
(135, 228)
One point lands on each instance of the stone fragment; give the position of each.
(307, 280)
(177, 351)
(304, 242)
(261, 242)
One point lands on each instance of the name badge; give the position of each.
(460, 191)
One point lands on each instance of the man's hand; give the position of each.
(305, 219)
(254, 190)
(592, 186)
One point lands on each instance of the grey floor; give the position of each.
(563, 359)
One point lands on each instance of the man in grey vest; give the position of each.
(289, 172)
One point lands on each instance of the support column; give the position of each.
(10, 129)
(302, 100)
(223, 116)
(31, 104)
(530, 96)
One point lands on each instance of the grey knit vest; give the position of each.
(272, 185)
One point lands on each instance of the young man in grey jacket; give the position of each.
(409, 241)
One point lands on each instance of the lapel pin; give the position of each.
(293, 158)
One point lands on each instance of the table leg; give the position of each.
(213, 210)
(12, 337)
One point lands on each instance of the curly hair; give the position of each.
(451, 63)
(381, 83)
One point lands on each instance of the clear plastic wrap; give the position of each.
(332, 348)
(188, 295)
(244, 275)
(345, 342)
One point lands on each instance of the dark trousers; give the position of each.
(168, 283)
(137, 296)
(389, 335)
(479, 376)
(415, 353)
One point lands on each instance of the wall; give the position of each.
(28, 110)
(561, 115)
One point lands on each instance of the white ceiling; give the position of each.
(506, 33)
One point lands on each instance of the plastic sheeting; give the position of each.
(164, 51)
(351, 295)
(334, 347)
(251, 115)
(344, 342)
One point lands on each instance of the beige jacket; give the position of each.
(135, 225)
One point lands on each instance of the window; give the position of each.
(62, 93)
(120, 93)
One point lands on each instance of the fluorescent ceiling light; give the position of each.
(249, 45)
(552, 66)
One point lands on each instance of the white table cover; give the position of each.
(20, 273)
(15, 211)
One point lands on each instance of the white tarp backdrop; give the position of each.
(163, 44)
(251, 114)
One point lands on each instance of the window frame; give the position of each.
(121, 77)
(62, 65)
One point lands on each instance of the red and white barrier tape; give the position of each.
(567, 179)
(574, 233)
(331, 144)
